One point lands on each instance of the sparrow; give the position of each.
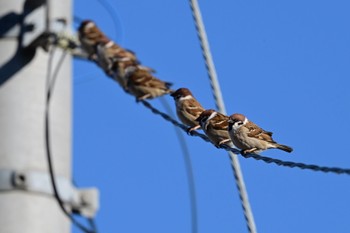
(120, 74)
(215, 126)
(119, 70)
(90, 35)
(249, 137)
(188, 109)
(109, 54)
(143, 85)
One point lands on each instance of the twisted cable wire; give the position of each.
(220, 105)
(265, 159)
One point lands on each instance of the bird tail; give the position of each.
(284, 148)
(168, 85)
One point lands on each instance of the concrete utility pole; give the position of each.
(27, 204)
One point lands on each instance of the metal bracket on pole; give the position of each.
(34, 28)
(30, 24)
(82, 201)
(38, 31)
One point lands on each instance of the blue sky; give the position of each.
(284, 64)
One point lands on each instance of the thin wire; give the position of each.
(93, 224)
(85, 78)
(209, 64)
(265, 159)
(188, 167)
(77, 19)
(114, 16)
(49, 85)
(219, 102)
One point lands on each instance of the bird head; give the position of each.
(236, 121)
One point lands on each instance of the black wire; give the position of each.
(189, 169)
(93, 224)
(49, 85)
(77, 19)
(265, 159)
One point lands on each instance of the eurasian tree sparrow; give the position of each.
(143, 85)
(109, 54)
(215, 126)
(90, 35)
(249, 137)
(188, 108)
(121, 72)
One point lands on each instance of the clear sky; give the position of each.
(284, 64)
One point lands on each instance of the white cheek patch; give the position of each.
(90, 25)
(236, 126)
(185, 98)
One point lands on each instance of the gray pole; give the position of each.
(22, 142)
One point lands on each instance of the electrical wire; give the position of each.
(50, 87)
(77, 19)
(268, 160)
(220, 105)
(188, 167)
(93, 224)
(114, 16)
(85, 78)
(234, 152)
(265, 159)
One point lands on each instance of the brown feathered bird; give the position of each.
(249, 137)
(188, 109)
(143, 85)
(215, 126)
(109, 54)
(90, 35)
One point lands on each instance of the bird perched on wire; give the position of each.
(249, 137)
(215, 126)
(188, 109)
(114, 60)
(109, 54)
(90, 35)
(143, 85)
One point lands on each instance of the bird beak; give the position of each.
(230, 121)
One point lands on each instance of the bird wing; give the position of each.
(192, 107)
(145, 79)
(257, 132)
(220, 122)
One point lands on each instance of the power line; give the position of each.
(114, 16)
(220, 105)
(209, 64)
(265, 159)
(50, 85)
(93, 224)
(77, 19)
(188, 168)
